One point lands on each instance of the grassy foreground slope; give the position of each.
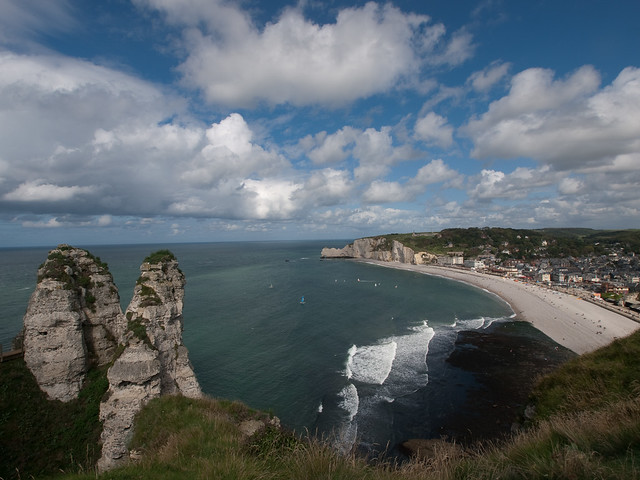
(587, 425)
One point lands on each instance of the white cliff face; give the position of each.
(104, 322)
(402, 254)
(154, 361)
(375, 248)
(54, 348)
(157, 304)
(72, 321)
(134, 379)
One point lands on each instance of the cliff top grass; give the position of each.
(161, 256)
(588, 426)
(592, 381)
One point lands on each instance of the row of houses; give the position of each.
(587, 273)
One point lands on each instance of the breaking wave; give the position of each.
(380, 373)
(372, 363)
(349, 400)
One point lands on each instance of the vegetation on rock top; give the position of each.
(161, 256)
(63, 267)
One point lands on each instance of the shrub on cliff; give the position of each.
(160, 256)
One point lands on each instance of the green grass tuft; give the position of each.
(592, 381)
(161, 256)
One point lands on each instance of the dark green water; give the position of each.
(349, 360)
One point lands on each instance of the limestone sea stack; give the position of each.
(73, 320)
(154, 360)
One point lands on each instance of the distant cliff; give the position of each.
(378, 248)
(74, 322)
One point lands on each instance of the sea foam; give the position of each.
(349, 400)
(477, 323)
(409, 372)
(371, 363)
(397, 364)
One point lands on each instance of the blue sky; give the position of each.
(128, 121)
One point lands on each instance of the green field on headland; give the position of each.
(550, 242)
(587, 425)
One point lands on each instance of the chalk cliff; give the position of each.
(154, 361)
(375, 248)
(74, 322)
(157, 305)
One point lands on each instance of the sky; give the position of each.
(156, 121)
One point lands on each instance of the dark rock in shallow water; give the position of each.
(505, 361)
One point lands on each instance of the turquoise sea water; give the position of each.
(347, 361)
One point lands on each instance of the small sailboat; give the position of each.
(302, 300)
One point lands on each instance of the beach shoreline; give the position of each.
(570, 321)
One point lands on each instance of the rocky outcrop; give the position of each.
(134, 379)
(154, 361)
(374, 248)
(156, 306)
(73, 320)
(402, 254)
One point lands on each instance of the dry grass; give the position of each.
(576, 438)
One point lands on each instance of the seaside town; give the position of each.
(611, 275)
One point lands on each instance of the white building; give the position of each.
(474, 264)
(451, 258)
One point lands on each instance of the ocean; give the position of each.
(353, 352)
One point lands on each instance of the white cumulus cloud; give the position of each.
(567, 123)
(433, 129)
(367, 50)
(45, 192)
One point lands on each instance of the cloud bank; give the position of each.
(93, 146)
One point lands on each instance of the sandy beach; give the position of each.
(572, 322)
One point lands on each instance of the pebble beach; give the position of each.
(505, 362)
(573, 322)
